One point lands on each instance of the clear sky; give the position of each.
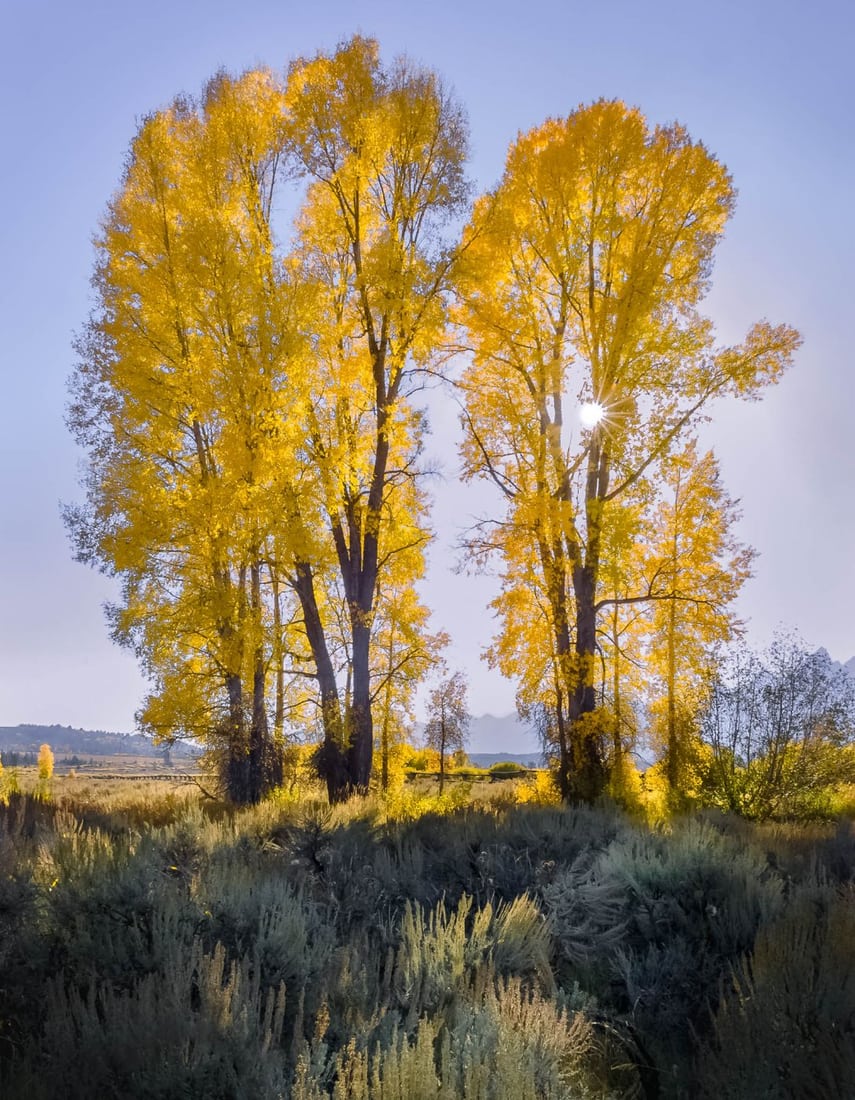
(767, 85)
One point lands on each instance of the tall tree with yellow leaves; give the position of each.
(622, 630)
(249, 414)
(383, 150)
(182, 399)
(700, 568)
(584, 271)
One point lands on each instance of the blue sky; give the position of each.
(768, 87)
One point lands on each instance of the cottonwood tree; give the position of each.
(248, 412)
(45, 763)
(181, 398)
(448, 719)
(584, 270)
(383, 150)
(622, 631)
(697, 569)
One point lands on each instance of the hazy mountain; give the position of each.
(66, 740)
(502, 734)
(845, 666)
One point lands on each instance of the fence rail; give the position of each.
(175, 777)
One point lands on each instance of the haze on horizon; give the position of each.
(768, 93)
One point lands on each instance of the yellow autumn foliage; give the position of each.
(45, 763)
(583, 272)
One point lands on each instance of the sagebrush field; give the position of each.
(154, 943)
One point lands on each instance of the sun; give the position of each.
(591, 413)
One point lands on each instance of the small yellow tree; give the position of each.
(701, 567)
(45, 763)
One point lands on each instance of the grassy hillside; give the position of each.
(69, 741)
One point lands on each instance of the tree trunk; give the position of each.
(564, 760)
(674, 767)
(553, 564)
(587, 780)
(361, 724)
(265, 757)
(236, 764)
(359, 564)
(253, 763)
(330, 762)
(262, 765)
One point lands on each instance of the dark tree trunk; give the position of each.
(252, 764)
(553, 563)
(588, 778)
(330, 762)
(236, 763)
(262, 766)
(674, 766)
(588, 775)
(564, 761)
(562, 647)
(361, 746)
(265, 757)
(358, 555)
(363, 561)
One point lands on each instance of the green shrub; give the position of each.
(785, 1028)
(204, 1027)
(502, 1041)
(439, 955)
(505, 767)
(651, 924)
(262, 915)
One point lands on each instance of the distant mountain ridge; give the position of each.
(845, 666)
(66, 739)
(506, 735)
(491, 734)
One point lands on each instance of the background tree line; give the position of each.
(247, 393)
